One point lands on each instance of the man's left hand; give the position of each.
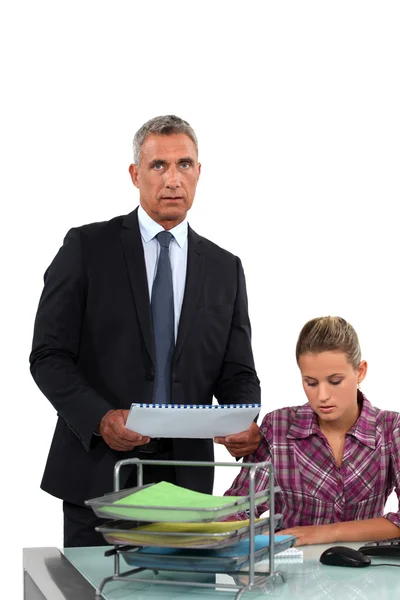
(312, 534)
(243, 443)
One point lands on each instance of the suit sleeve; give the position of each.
(56, 342)
(238, 382)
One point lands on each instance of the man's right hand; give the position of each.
(113, 431)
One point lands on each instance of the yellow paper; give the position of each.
(134, 535)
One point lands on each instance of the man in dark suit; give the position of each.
(140, 309)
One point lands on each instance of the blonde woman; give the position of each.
(336, 458)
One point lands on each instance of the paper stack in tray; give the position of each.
(180, 535)
(185, 527)
(168, 502)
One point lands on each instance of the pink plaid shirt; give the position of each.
(314, 490)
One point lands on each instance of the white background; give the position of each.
(296, 106)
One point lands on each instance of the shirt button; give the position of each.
(150, 376)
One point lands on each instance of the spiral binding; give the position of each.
(198, 406)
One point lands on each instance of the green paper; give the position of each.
(172, 497)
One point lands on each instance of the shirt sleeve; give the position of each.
(394, 517)
(240, 486)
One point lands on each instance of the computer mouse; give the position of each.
(341, 556)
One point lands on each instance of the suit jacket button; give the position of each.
(150, 376)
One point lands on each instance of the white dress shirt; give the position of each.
(177, 254)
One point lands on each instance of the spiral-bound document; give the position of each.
(190, 420)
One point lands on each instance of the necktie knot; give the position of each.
(164, 238)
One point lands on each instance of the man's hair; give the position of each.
(329, 334)
(164, 125)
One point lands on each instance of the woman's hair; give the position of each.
(329, 334)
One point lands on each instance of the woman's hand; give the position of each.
(313, 534)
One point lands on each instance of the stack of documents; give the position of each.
(181, 535)
(168, 502)
(184, 528)
(226, 560)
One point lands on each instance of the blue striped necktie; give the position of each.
(162, 309)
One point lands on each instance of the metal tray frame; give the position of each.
(260, 580)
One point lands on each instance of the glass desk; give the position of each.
(73, 574)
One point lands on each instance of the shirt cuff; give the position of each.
(393, 518)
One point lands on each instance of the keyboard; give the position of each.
(388, 548)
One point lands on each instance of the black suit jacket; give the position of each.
(93, 349)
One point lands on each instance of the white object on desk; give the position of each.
(190, 420)
(289, 556)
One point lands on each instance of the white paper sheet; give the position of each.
(190, 421)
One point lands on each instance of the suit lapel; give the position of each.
(134, 256)
(193, 285)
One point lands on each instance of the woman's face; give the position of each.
(330, 383)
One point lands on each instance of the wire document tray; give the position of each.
(190, 538)
(218, 535)
(232, 559)
(124, 504)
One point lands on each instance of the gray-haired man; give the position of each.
(140, 308)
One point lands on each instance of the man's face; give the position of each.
(167, 177)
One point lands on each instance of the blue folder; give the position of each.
(227, 559)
